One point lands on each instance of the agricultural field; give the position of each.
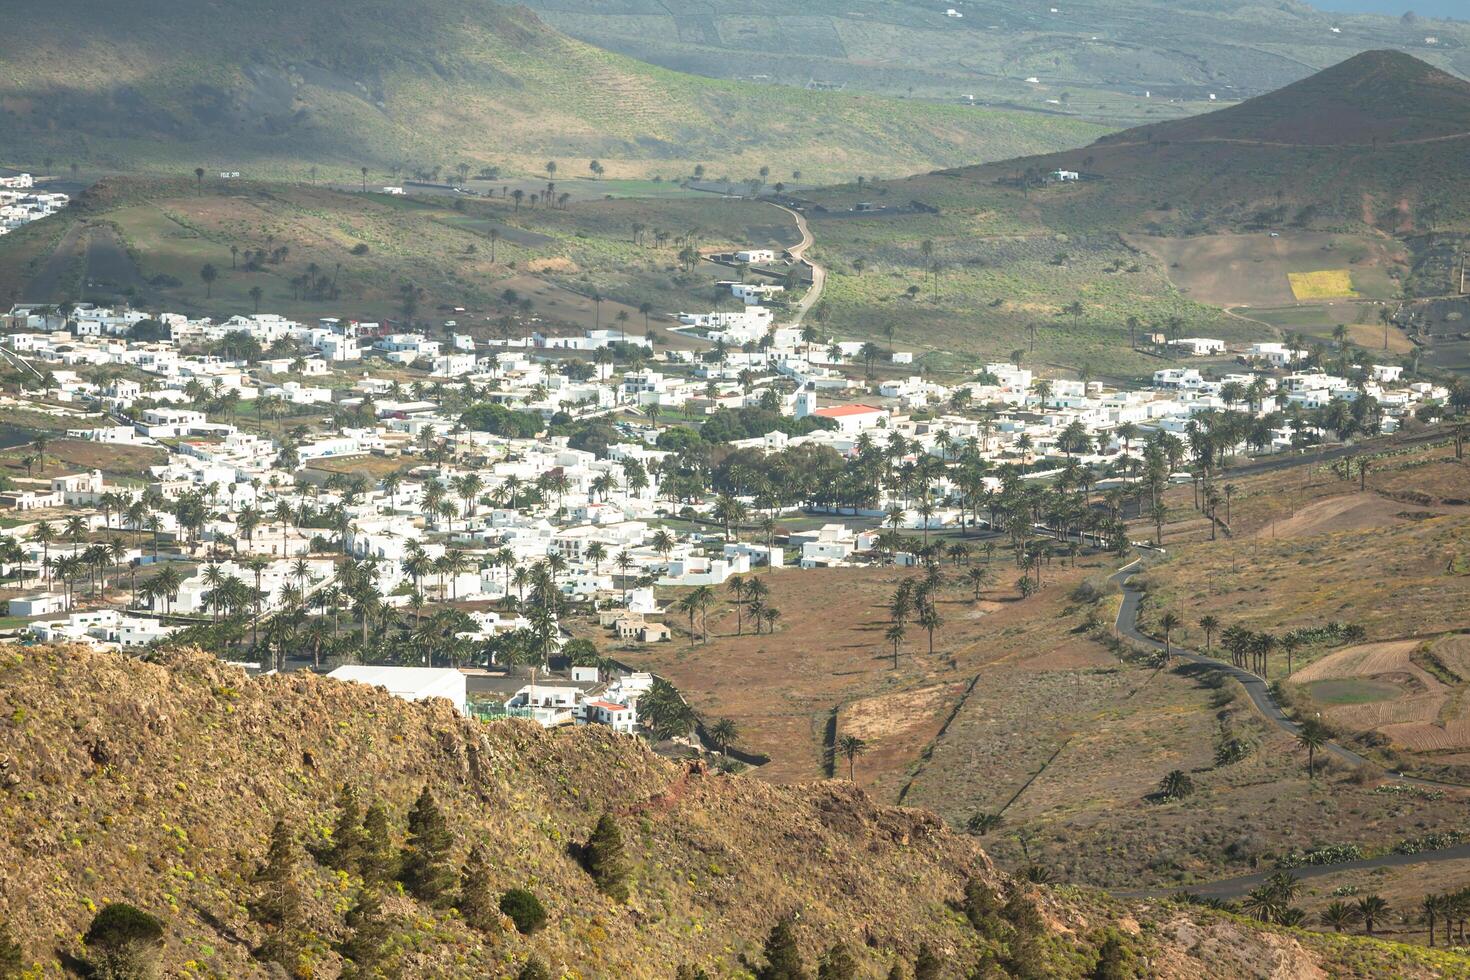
(1257, 270)
(1326, 284)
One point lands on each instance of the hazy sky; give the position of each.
(1425, 8)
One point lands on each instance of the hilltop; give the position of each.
(270, 88)
(157, 784)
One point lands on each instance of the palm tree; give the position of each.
(1432, 906)
(1168, 622)
(736, 586)
(1311, 735)
(1372, 909)
(895, 635)
(1209, 624)
(979, 577)
(624, 561)
(850, 747)
(929, 620)
(1339, 916)
(724, 732)
(1176, 785)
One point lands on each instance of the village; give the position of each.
(315, 486)
(21, 203)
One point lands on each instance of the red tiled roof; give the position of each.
(839, 411)
(608, 706)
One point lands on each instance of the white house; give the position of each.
(1199, 346)
(755, 256)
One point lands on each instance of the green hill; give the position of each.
(270, 88)
(158, 785)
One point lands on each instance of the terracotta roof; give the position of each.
(838, 411)
(608, 706)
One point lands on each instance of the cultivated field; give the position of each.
(1255, 270)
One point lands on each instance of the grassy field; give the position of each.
(168, 85)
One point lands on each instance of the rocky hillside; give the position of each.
(158, 785)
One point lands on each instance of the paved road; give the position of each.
(798, 253)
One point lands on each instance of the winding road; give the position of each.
(798, 254)
(1260, 694)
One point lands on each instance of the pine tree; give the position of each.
(896, 973)
(364, 947)
(348, 837)
(377, 865)
(12, 957)
(838, 964)
(534, 969)
(427, 873)
(687, 972)
(123, 942)
(277, 906)
(606, 860)
(783, 959)
(928, 965)
(476, 901)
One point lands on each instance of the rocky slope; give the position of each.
(158, 783)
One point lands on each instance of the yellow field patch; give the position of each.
(1327, 284)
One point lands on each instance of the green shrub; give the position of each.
(524, 909)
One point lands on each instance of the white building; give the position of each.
(409, 683)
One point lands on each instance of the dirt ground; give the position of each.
(1251, 269)
(828, 654)
(80, 455)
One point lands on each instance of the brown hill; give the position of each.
(157, 784)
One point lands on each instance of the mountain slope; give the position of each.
(1375, 142)
(275, 87)
(158, 784)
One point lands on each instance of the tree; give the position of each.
(850, 747)
(1209, 624)
(426, 872)
(605, 859)
(277, 905)
(255, 294)
(199, 180)
(838, 964)
(348, 837)
(927, 965)
(533, 969)
(1372, 909)
(365, 947)
(1339, 916)
(783, 959)
(1311, 735)
(524, 909)
(208, 273)
(12, 956)
(123, 942)
(476, 902)
(983, 823)
(724, 732)
(1169, 622)
(1176, 785)
(377, 865)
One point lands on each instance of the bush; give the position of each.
(360, 248)
(524, 909)
(123, 941)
